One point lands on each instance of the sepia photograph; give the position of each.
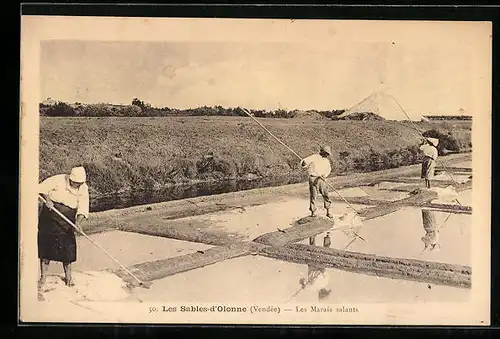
(255, 171)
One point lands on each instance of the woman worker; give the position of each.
(428, 148)
(68, 194)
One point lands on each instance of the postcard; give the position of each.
(255, 171)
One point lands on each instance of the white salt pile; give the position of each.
(445, 195)
(351, 219)
(348, 223)
(89, 286)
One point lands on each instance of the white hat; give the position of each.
(433, 141)
(78, 175)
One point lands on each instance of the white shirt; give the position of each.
(317, 166)
(59, 190)
(429, 151)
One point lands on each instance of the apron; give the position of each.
(56, 238)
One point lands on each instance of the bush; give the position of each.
(60, 109)
(102, 179)
(446, 140)
(213, 166)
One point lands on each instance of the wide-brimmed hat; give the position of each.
(433, 141)
(327, 149)
(78, 175)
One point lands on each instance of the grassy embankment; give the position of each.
(127, 154)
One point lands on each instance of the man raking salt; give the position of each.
(318, 168)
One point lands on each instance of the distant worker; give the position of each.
(431, 237)
(319, 168)
(428, 148)
(68, 194)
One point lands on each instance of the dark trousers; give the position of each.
(317, 184)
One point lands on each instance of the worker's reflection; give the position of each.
(326, 240)
(317, 277)
(431, 237)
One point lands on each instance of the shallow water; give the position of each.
(399, 235)
(255, 279)
(257, 220)
(187, 191)
(179, 192)
(128, 248)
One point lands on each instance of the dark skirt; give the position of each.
(428, 168)
(56, 238)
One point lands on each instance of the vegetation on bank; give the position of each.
(139, 108)
(124, 154)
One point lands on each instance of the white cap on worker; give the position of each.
(78, 175)
(433, 141)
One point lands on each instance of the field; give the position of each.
(137, 153)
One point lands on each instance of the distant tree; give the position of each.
(446, 140)
(138, 103)
(129, 111)
(97, 110)
(60, 109)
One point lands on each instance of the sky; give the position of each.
(425, 78)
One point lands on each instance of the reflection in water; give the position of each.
(317, 277)
(178, 192)
(431, 237)
(326, 240)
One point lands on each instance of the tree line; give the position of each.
(139, 108)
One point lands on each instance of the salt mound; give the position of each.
(89, 286)
(348, 223)
(445, 195)
(347, 220)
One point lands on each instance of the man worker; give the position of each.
(319, 168)
(430, 152)
(431, 237)
(69, 194)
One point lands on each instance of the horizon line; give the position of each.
(226, 107)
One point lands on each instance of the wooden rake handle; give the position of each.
(93, 242)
